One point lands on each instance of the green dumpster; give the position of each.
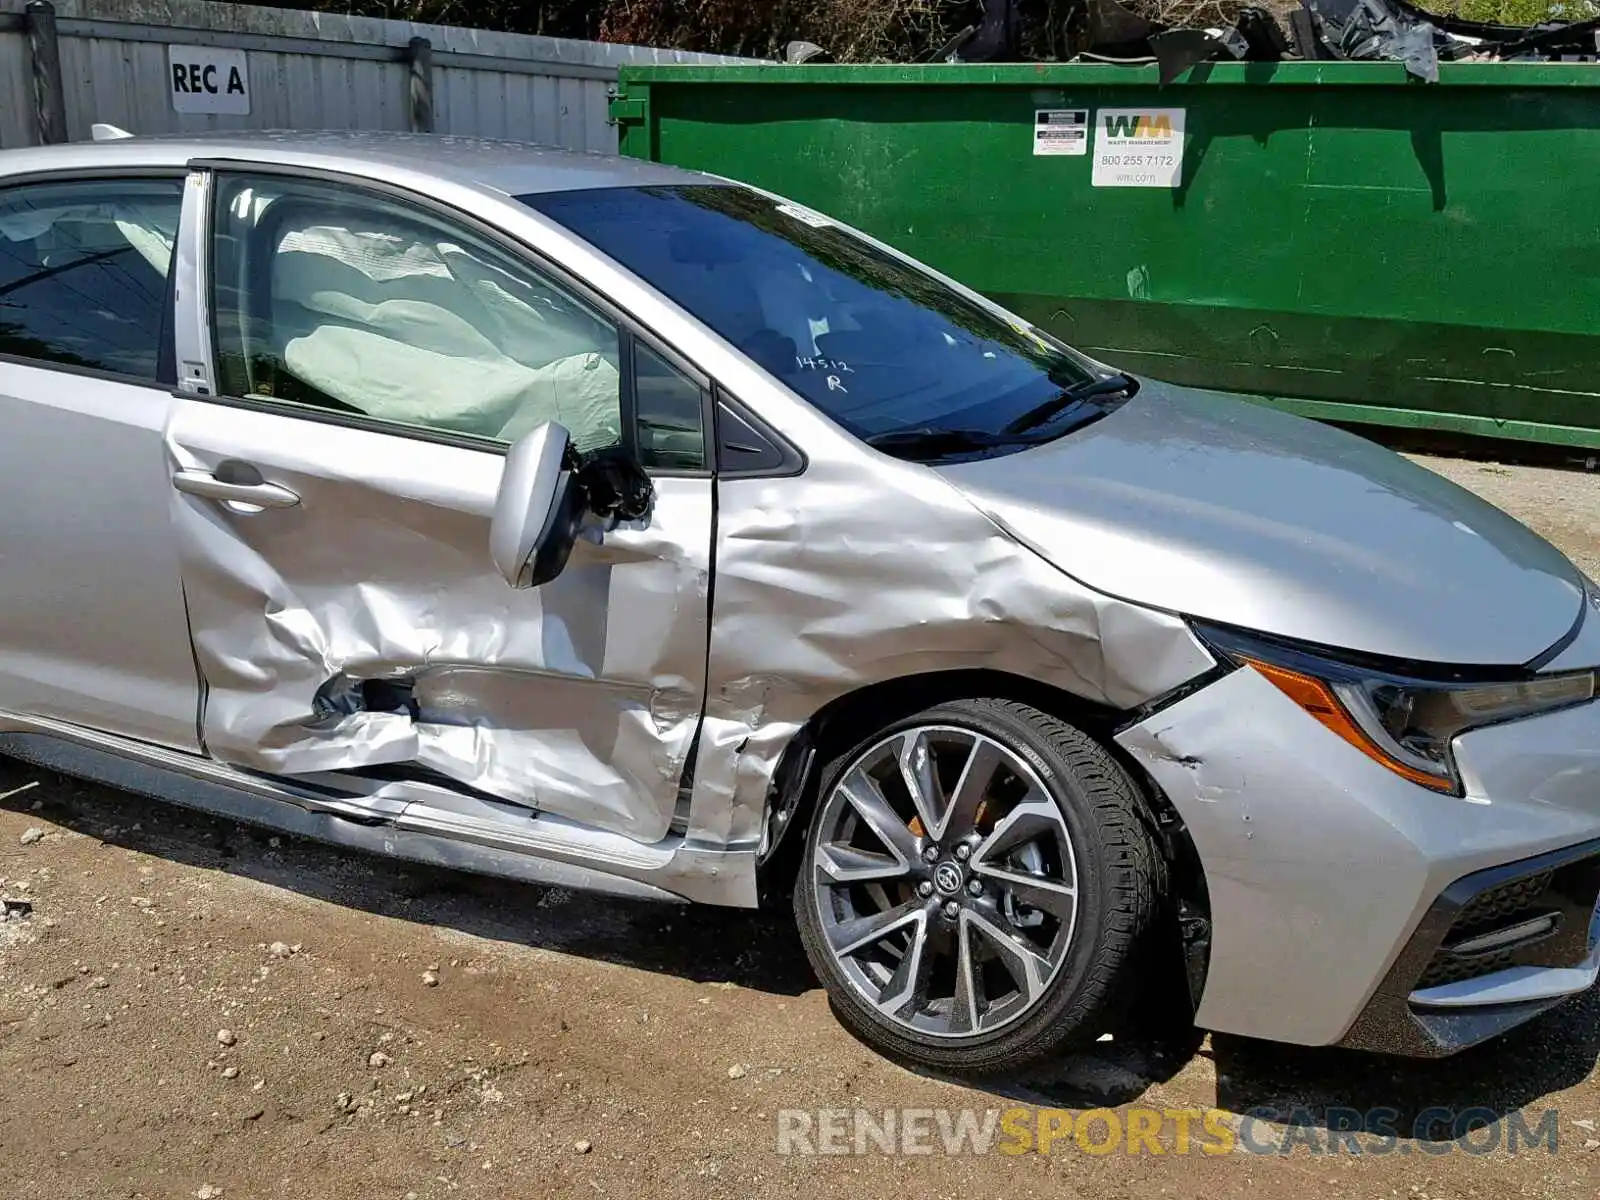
(1334, 238)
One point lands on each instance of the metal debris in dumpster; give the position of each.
(1339, 238)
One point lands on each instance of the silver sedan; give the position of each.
(620, 528)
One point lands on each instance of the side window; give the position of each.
(83, 272)
(339, 300)
(669, 411)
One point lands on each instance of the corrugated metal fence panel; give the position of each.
(318, 71)
(16, 92)
(540, 108)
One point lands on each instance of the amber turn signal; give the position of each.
(1317, 698)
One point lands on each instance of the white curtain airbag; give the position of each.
(495, 397)
(429, 333)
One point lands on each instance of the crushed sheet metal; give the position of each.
(578, 698)
(818, 595)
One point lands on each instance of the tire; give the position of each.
(1042, 970)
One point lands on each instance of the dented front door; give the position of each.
(363, 623)
(334, 469)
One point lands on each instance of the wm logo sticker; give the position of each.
(1138, 147)
(1137, 124)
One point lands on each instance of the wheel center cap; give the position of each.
(948, 878)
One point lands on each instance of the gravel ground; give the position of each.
(192, 1009)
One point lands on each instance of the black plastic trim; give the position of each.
(779, 458)
(1218, 671)
(1391, 1025)
(1229, 640)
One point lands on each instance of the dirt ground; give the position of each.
(194, 1009)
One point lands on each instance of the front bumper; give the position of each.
(1350, 906)
(1496, 948)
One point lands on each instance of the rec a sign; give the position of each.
(202, 79)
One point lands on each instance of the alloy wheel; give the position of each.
(946, 881)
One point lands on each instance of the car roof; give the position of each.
(515, 168)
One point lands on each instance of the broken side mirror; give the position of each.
(538, 510)
(615, 487)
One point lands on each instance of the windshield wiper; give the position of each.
(915, 443)
(1079, 394)
(931, 441)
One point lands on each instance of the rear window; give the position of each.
(83, 272)
(869, 339)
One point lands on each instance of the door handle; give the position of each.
(256, 495)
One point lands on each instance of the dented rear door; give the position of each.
(346, 615)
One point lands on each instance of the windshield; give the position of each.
(875, 343)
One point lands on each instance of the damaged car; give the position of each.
(620, 528)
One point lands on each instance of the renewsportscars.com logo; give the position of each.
(1164, 1131)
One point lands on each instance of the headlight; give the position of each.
(1405, 723)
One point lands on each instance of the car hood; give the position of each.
(1223, 509)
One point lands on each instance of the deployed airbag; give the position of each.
(421, 330)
